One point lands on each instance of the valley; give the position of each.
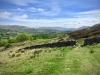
(61, 60)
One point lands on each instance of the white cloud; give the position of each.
(20, 9)
(32, 9)
(55, 10)
(91, 19)
(91, 13)
(78, 22)
(40, 9)
(4, 15)
(24, 16)
(85, 14)
(59, 22)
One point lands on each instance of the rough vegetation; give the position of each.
(85, 33)
(57, 60)
(51, 61)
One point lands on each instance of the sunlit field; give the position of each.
(51, 61)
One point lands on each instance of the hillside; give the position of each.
(23, 29)
(50, 61)
(16, 58)
(6, 33)
(87, 32)
(58, 28)
(83, 27)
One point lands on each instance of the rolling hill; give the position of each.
(83, 27)
(23, 29)
(72, 60)
(58, 28)
(6, 33)
(87, 32)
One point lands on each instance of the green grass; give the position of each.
(51, 61)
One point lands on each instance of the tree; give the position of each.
(12, 40)
(3, 43)
(23, 37)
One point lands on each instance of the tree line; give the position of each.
(24, 37)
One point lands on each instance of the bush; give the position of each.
(23, 37)
(3, 43)
(17, 55)
(12, 40)
(7, 45)
(13, 55)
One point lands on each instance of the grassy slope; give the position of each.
(51, 61)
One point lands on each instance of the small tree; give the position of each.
(12, 40)
(3, 43)
(23, 37)
(7, 45)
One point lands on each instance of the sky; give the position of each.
(50, 13)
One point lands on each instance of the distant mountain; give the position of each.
(83, 27)
(13, 27)
(23, 29)
(58, 28)
(87, 32)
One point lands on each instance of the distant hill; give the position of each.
(13, 27)
(4, 30)
(87, 32)
(6, 33)
(23, 29)
(58, 28)
(83, 27)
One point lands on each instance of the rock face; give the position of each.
(51, 45)
(90, 41)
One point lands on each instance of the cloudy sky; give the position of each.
(50, 13)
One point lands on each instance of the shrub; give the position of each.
(23, 37)
(17, 55)
(32, 56)
(13, 55)
(7, 45)
(3, 43)
(12, 40)
(22, 51)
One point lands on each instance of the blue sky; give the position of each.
(50, 13)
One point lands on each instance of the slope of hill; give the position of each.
(85, 33)
(23, 29)
(83, 27)
(50, 61)
(71, 60)
(13, 27)
(6, 33)
(58, 28)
